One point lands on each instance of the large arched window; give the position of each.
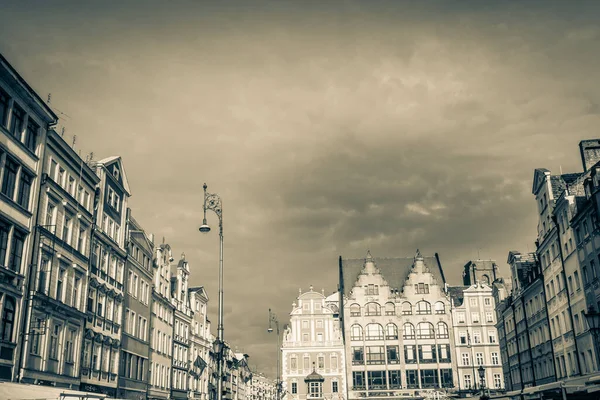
(372, 309)
(356, 332)
(355, 310)
(408, 331)
(406, 308)
(391, 331)
(8, 319)
(425, 331)
(440, 308)
(374, 332)
(442, 330)
(423, 307)
(390, 308)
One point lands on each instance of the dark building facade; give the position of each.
(135, 343)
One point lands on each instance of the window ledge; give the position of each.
(16, 205)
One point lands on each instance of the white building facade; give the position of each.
(312, 343)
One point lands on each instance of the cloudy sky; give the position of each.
(326, 129)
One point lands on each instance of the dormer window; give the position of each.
(116, 173)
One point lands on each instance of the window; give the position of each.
(489, 317)
(487, 302)
(427, 353)
(59, 284)
(390, 309)
(9, 180)
(475, 317)
(54, 337)
(24, 191)
(294, 388)
(425, 331)
(315, 390)
(334, 362)
(429, 378)
(377, 379)
(406, 308)
(67, 228)
(375, 355)
(465, 359)
(478, 358)
(444, 353)
(460, 316)
(31, 135)
(16, 122)
(421, 288)
(408, 331)
(492, 337)
(358, 379)
(497, 381)
(61, 176)
(305, 324)
(69, 344)
(374, 332)
(476, 337)
(16, 251)
(442, 330)
(3, 107)
(462, 337)
(372, 309)
(4, 232)
(423, 307)
(358, 356)
(468, 381)
(473, 302)
(495, 359)
(372, 290)
(8, 319)
(440, 308)
(411, 379)
(35, 339)
(394, 379)
(334, 386)
(391, 331)
(392, 355)
(306, 361)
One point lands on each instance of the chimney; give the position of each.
(590, 153)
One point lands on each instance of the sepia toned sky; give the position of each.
(327, 129)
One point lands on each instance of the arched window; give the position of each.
(391, 331)
(485, 279)
(442, 330)
(293, 363)
(440, 308)
(372, 309)
(355, 310)
(8, 319)
(374, 332)
(423, 307)
(406, 308)
(425, 331)
(409, 331)
(390, 308)
(334, 362)
(356, 332)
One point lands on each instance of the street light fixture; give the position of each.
(273, 320)
(481, 372)
(213, 202)
(593, 319)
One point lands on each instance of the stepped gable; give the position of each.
(395, 271)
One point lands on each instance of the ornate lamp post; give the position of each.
(593, 319)
(481, 372)
(213, 202)
(273, 320)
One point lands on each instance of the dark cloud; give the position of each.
(327, 129)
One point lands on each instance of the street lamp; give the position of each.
(593, 319)
(273, 320)
(213, 202)
(481, 372)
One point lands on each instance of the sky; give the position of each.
(327, 128)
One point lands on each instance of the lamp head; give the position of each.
(270, 330)
(481, 371)
(204, 228)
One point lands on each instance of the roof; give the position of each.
(456, 294)
(314, 377)
(394, 270)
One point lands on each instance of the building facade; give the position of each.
(161, 326)
(397, 327)
(475, 337)
(24, 121)
(135, 342)
(181, 381)
(102, 343)
(262, 388)
(201, 343)
(56, 311)
(312, 342)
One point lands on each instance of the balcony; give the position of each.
(11, 280)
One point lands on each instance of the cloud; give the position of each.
(327, 130)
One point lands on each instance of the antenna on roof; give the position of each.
(560, 167)
(62, 132)
(74, 141)
(49, 98)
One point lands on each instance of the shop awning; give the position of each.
(19, 391)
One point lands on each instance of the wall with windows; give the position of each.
(475, 337)
(397, 340)
(313, 342)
